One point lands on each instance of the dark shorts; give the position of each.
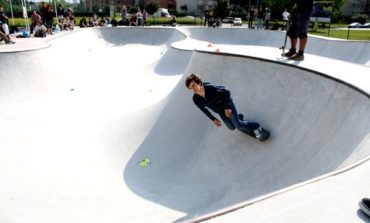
(299, 25)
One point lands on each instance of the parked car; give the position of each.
(366, 25)
(162, 12)
(237, 22)
(355, 25)
(228, 20)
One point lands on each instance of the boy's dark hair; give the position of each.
(193, 77)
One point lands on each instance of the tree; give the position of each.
(5, 4)
(151, 8)
(222, 9)
(133, 10)
(277, 7)
(241, 3)
(95, 8)
(337, 8)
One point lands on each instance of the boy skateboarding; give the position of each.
(218, 99)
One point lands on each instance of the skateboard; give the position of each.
(265, 133)
(283, 47)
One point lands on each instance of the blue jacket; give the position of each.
(217, 98)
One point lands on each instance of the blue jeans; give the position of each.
(259, 23)
(235, 123)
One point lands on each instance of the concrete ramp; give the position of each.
(318, 125)
(74, 126)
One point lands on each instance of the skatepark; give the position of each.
(81, 110)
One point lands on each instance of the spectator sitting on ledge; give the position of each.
(40, 29)
(173, 22)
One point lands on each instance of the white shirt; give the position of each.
(285, 15)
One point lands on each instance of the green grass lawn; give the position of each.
(345, 34)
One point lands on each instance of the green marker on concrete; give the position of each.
(144, 162)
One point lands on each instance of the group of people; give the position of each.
(210, 20)
(66, 20)
(46, 18)
(42, 24)
(94, 21)
(138, 18)
(263, 16)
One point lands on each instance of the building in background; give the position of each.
(194, 7)
(356, 7)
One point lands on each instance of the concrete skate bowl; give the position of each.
(73, 136)
(203, 169)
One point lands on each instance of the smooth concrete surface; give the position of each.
(78, 115)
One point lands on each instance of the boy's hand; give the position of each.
(217, 122)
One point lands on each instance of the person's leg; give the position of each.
(304, 22)
(228, 122)
(302, 27)
(302, 43)
(4, 37)
(234, 122)
(260, 23)
(32, 27)
(267, 24)
(251, 22)
(6, 29)
(293, 47)
(293, 36)
(293, 44)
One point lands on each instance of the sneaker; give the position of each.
(290, 53)
(258, 132)
(297, 57)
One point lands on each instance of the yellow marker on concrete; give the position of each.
(144, 162)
